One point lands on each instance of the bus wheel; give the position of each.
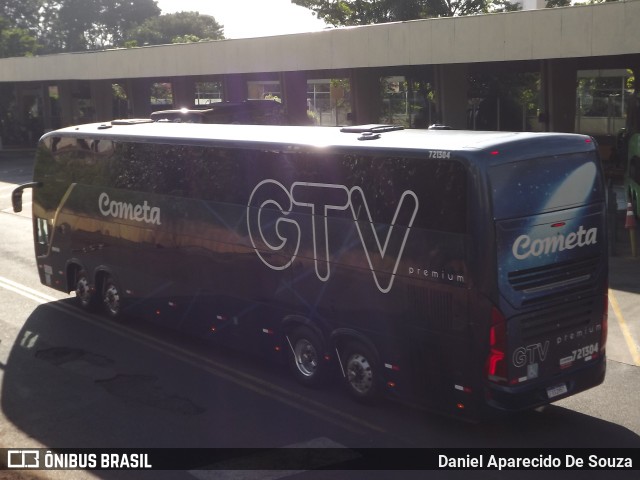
(85, 294)
(111, 297)
(362, 376)
(306, 356)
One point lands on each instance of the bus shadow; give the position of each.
(624, 269)
(62, 392)
(16, 166)
(556, 427)
(624, 273)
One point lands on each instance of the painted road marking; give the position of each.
(626, 333)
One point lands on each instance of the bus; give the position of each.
(632, 173)
(462, 271)
(629, 151)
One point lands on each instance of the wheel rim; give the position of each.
(359, 374)
(83, 291)
(306, 357)
(112, 299)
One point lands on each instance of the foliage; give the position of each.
(180, 27)
(558, 3)
(21, 14)
(15, 42)
(364, 12)
(77, 25)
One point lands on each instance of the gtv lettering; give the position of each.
(276, 236)
(530, 354)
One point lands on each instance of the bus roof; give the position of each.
(301, 137)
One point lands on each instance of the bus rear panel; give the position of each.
(549, 326)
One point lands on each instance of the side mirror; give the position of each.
(16, 195)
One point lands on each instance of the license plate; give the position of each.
(556, 391)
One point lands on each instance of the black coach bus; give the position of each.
(464, 269)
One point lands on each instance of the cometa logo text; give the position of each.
(524, 246)
(128, 211)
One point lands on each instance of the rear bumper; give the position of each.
(513, 399)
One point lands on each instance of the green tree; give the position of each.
(76, 25)
(180, 27)
(15, 42)
(557, 3)
(365, 12)
(21, 14)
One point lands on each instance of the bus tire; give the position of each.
(85, 292)
(306, 360)
(362, 373)
(111, 297)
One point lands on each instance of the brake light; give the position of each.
(496, 366)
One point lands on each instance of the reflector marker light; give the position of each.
(463, 389)
(394, 368)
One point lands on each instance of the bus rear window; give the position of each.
(545, 184)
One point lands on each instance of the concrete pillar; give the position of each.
(184, 92)
(294, 92)
(139, 96)
(47, 112)
(451, 86)
(234, 87)
(65, 92)
(366, 102)
(102, 98)
(559, 78)
(20, 110)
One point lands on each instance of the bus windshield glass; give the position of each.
(544, 185)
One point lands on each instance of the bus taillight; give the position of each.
(496, 366)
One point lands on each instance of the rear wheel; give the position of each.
(111, 297)
(306, 359)
(362, 374)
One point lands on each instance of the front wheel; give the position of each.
(111, 298)
(362, 374)
(85, 293)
